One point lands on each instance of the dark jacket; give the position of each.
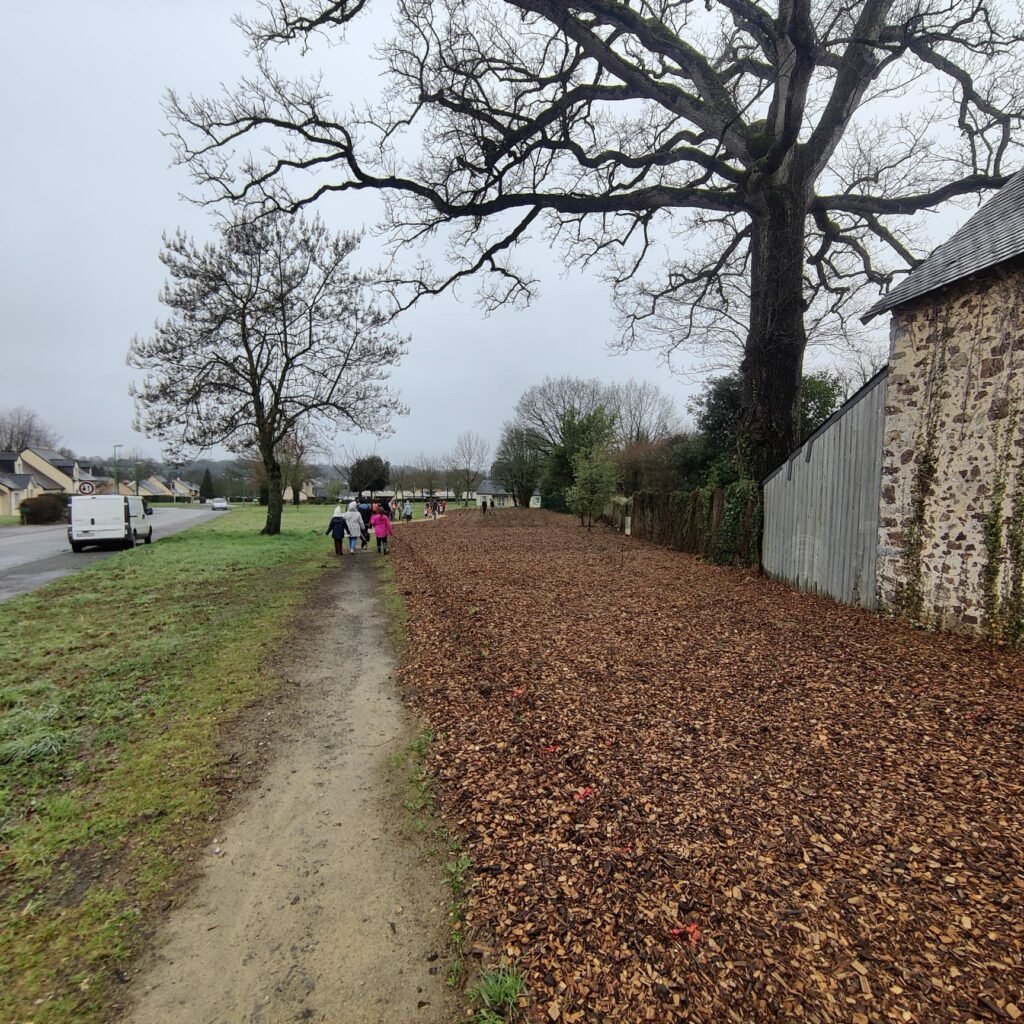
(337, 527)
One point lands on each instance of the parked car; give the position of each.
(219, 505)
(108, 520)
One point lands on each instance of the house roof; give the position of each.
(53, 458)
(490, 487)
(994, 234)
(46, 482)
(16, 481)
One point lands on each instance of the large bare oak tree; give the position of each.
(270, 334)
(733, 164)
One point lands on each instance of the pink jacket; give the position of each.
(381, 525)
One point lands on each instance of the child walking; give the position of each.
(382, 529)
(354, 522)
(337, 528)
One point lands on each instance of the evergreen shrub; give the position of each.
(45, 508)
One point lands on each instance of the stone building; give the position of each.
(951, 513)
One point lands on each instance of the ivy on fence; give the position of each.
(720, 524)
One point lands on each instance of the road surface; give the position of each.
(33, 555)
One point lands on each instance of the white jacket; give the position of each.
(355, 522)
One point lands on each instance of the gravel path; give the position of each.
(314, 904)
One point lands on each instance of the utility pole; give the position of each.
(117, 478)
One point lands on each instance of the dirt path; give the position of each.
(314, 904)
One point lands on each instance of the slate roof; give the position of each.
(47, 483)
(54, 458)
(994, 234)
(16, 481)
(490, 487)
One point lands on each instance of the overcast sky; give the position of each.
(87, 187)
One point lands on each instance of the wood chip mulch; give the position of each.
(690, 793)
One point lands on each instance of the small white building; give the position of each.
(502, 497)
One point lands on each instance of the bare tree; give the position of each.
(293, 453)
(468, 461)
(543, 408)
(428, 473)
(518, 462)
(451, 477)
(269, 330)
(643, 412)
(21, 428)
(400, 477)
(137, 466)
(788, 141)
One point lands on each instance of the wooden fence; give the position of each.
(720, 524)
(821, 505)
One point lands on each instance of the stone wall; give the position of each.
(951, 517)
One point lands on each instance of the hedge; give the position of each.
(45, 508)
(721, 524)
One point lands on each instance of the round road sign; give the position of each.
(86, 488)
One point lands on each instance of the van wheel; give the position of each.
(129, 541)
(76, 547)
(149, 536)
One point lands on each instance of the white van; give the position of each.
(108, 519)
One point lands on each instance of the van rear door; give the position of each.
(98, 519)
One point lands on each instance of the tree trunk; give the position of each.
(275, 495)
(773, 355)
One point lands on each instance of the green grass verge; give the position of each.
(10, 520)
(117, 682)
(497, 995)
(457, 871)
(394, 605)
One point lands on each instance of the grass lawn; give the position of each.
(10, 520)
(117, 683)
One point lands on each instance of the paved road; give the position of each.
(33, 555)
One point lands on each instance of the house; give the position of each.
(307, 491)
(151, 487)
(184, 489)
(951, 510)
(329, 489)
(491, 491)
(15, 486)
(155, 486)
(36, 471)
(52, 471)
(502, 497)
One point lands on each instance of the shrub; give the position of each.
(720, 524)
(46, 508)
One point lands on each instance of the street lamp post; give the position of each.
(117, 478)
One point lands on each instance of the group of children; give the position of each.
(356, 523)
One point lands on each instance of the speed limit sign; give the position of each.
(86, 488)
